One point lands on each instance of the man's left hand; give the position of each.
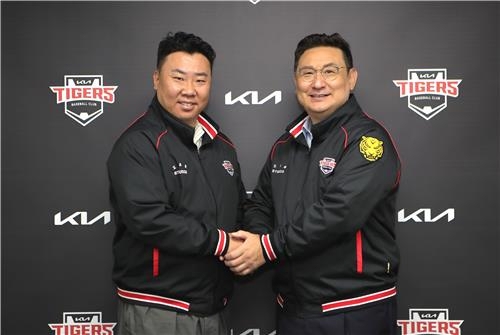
(246, 258)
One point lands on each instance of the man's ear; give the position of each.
(156, 78)
(353, 78)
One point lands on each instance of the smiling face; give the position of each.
(320, 98)
(182, 85)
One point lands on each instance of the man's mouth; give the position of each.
(319, 96)
(187, 105)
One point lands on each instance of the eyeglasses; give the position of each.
(329, 73)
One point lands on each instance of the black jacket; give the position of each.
(173, 208)
(327, 214)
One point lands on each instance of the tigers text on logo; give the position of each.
(82, 323)
(427, 90)
(83, 97)
(430, 321)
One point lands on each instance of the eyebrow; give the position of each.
(312, 67)
(204, 74)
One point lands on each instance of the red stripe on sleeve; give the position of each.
(221, 244)
(268, 248)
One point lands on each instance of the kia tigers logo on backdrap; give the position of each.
(88, 323)
(429, 321)
(427, 91)
(83, 97)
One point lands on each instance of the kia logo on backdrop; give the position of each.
(252, 98)
(426, 215)
(84, 97)
(88, 323)
(81, 219)
(430, 321)
(427, 91)
(252, 331)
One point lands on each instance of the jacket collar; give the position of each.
(184, 131)
(321, 130)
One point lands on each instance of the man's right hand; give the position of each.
(234, 243)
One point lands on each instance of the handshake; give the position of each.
(244, 255)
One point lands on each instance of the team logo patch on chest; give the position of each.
(327, 164)
(229, 167)
(371, 148)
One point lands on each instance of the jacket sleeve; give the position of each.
(359, 183)
(259, 210)
(242, 201)
(140, 198)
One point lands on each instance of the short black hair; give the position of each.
(181, 41)
(323, 40)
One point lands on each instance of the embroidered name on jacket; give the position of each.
(179, 169)
(279, 168)
(327, 165)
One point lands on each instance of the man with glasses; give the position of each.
(324, 207)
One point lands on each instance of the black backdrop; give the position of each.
(56, 232)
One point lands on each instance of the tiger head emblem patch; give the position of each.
(371, 148)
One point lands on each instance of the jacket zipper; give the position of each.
(210, 191)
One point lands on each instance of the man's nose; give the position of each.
(318, 81)
(189, 88)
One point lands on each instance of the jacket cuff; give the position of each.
(267, 247)
(222, 243)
